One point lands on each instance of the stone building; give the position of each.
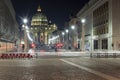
(102, 26)
(8, 26)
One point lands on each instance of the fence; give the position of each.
(14, 55)
(105, 54)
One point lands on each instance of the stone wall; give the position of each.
(8, 28)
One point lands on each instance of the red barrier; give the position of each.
(15, 55)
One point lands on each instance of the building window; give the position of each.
(95, 44)
(105, 44)
(100, 20)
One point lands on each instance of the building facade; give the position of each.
(41, 27)
(102, 27)
(8, 26)
(73, 34)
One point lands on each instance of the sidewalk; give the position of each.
(66, 50)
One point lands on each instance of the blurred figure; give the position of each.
(55, 47)
(23, 47)
(31, 51)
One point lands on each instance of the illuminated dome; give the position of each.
(39, 19)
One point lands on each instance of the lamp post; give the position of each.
(83, 34)
(63, 36)
(73, 35)
(67, 31)
(72, 27)
(25, 35)
(25, 21)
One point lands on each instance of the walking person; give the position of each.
(23, 47)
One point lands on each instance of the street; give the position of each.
(59, 40)
(52, 68)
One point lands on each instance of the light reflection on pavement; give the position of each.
(53, 69)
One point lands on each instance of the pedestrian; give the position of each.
(23, 47)
(55, 48)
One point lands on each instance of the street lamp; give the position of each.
(72, 27)
(67, 31)
(73, 36)
(83, 21)
(63, 33)
(83, 34)
(25, 21)
(63, 36)
(25, 34)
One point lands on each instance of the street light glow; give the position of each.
(22, 42)
(66, 30)
(72, 27)
(83, 21)
(25, 21)
(26, 27)
(23, 26)
(63, 33)
(27, 31)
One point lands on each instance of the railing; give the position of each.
(105, 54)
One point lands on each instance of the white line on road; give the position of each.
(108, 77)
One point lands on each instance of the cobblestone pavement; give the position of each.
(55, 69)
(109, 66)
(42, 69)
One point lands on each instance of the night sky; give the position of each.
(57, 11)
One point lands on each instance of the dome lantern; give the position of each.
(39, 19)
(39, 9)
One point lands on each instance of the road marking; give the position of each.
(108, 77)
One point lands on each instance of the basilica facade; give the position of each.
(41, 27)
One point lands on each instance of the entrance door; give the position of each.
(105, 44)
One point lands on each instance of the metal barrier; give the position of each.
(14, 55)
(105, 54)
